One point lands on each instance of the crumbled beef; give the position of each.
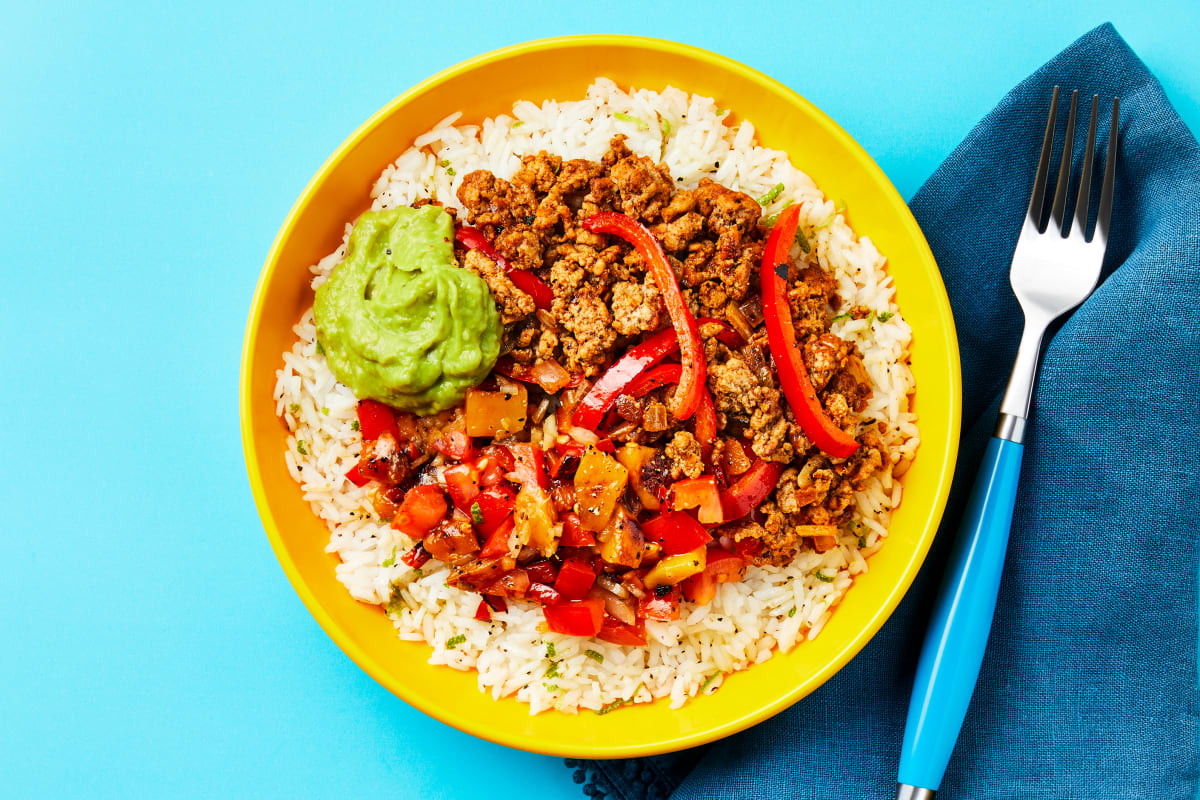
(636, 307)
(736, 390)
(644, 187)
(684, 453)
(810, 297)
(511, 301)
(589, 331)
(824, 355)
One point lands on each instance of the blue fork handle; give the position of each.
(962, 618)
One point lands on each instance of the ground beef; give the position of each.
(637, 307)
(512, 302)
(589, 333)
(738, 392)
(683, 451)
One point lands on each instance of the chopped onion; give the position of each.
(624, 609)
(540, 412)
(583, 435)
(550, 376)
(739, 322)
(752, 310)
(613, 586)
(549, 432)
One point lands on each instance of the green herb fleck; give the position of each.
(870, 319)
(517, 124)
(594, 656)
(354, 426)
(613, 705)
(325, 410)
(391, 559)
(455, 641)
(792, 611)
(839, 318)
(664, 125)
(420, 573)
(450, 171)
(822, 577)
(300, 448)
(722, 112)
(709, 681)
(769, 222)
(770, 196)
(884, 316)
(476, 514)
(641, 123)
(294, 408)
(553, 671)
(395, 602)
(549, 649)
(802, 240)
(551, 687)
(445, 162)
(320, 349)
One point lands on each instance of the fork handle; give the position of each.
(958, 630)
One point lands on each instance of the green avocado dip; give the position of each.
(399, 321)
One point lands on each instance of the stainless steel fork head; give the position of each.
(1056, 265)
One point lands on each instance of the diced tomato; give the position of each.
(541, 593)
(454, 443)
(575, 577)
(576, 617)
(700, 588)
(495, 505)
(724, 567)
(356, 477)
(422, 508)
(699, 493)
(748, 549)
(529, 465)
(451, 537)
(496, 604)
(374, 418)
(499, 454)
(462, 481)
(664, 607)
(483, 613)
(511, 584)
(614, 631)
(542, 571)
(491, 472)
(497, 542)
(574, 534)
(417, 557)
(677, 532)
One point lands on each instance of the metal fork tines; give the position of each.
(1056, 263)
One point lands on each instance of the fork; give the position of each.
(1054, 268)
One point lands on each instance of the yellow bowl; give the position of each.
(562, 69)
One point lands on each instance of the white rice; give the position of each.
(747, 622)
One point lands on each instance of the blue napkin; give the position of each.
(1088, 687)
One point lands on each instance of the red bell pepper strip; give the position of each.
(727, 335)
(542, 571)
(687, 397)
(677, 532)
(751, 488)
(636, 360)
(576, 617)
(660, 376)
(781, 339)
(526, 281)
(374, 418)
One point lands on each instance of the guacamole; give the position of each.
(399, 321)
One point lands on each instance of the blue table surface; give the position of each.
(153, 647)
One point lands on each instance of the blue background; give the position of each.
(152, 645)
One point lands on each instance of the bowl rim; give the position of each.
(467, 724)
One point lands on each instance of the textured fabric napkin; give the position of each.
(1089, 685)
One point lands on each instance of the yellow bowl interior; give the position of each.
(562, 69)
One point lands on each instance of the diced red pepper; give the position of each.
(677, 532)
(527, 282)
(613, 631)
(748, 549)
(417, 557)
(700, 588)
(450, 538)
(699, 493)
(529, 465)
(542, 571)
(541, 593)
(496, 604)
(683, 402)
(574, 534)
(723, 566)
(483, 613)
(454, 443)
(576, 617)
(663, 607)
(422, 508)
(374, 418)
(575, 577)
(781, 339)
(356, 477)
(514, 583)
(497, 542)
(751, 488)
(495, 506)
(462, 481)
